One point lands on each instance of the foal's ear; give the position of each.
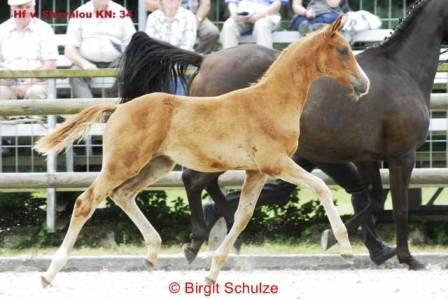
(337, 25)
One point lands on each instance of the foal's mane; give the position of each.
(293, 47)
(399, 29)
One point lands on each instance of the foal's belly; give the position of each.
(206, 159)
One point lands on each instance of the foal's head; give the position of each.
(335, 59)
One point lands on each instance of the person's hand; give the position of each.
(22, 88)
(88, 66)
(198, 22)
(310, 14)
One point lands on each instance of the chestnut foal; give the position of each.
(255, 129)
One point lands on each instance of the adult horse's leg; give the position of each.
(221, 203)
(346, 175)
(274, 192)
(124, 197)
(400, 174)
(224, 208)
(251, 189)
(194, 183)
(85, 205)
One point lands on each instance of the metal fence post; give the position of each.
(141, 15)
(51, 163)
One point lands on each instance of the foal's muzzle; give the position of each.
(360, 86)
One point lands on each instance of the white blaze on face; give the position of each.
(364, 78)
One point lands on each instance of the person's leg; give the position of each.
(113, 91)
(177, 87)
(80, 87)
(208, 35)
(230, 32)
(263, 32)
(326, 18)
(37, 91)
(7, 93)
(295, 22)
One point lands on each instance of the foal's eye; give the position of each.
(342, 51)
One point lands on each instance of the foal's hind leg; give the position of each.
(249, 195)
(85, 205)
(124, 197)
(294, 174)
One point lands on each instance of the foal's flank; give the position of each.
(145, 137)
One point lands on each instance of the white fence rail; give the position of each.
(434, 177)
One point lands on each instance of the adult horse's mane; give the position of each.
(404, 23)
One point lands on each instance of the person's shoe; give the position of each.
(382, 255)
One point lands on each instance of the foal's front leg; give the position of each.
(294, 174)
(249, 195)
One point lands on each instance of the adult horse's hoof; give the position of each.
(383, 255)
(44, 282)
(416, 265)
(327, 239)
(190, 253)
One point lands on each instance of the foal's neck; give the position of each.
(291, 75)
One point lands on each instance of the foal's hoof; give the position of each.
(190, 253)
(327, 239)
(44, 282)
(348, 257)
(209, 281)
(149, 265)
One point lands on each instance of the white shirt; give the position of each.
(100, 39)
(26, 49)
(180, 32)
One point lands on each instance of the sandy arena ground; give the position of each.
(362, 284)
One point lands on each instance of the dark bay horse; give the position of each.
(389, 125)
(145, 138)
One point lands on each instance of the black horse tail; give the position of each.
(150, 65)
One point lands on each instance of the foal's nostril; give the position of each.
(360, 86)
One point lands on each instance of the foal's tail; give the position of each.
(149, 65)
(73, 129)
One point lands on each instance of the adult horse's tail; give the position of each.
(150, 65)
(74, 128)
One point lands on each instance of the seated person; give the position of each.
(173, 24)
(310, 15)
(176, 25)
(96, 42)
(26, 43)
(261, 16)
(207, 32)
